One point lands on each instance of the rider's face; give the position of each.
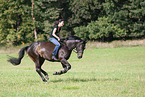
(61, 24)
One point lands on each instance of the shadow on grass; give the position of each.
(85, 80)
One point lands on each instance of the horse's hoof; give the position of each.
(47, 77)
(55, 73)
(44, 80)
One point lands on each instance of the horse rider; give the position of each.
(54, 37)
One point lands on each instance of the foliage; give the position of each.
(90, 19)
(15, 23)
(83, 32)
(101, 29)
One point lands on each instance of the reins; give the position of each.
(74, 50)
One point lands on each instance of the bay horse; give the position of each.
(41, 51)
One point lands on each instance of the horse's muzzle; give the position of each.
(79, 55)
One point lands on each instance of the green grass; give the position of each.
(102, 72)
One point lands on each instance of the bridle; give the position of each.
(75, 49)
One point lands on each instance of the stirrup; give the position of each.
(54, 58)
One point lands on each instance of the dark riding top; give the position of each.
(57, 31)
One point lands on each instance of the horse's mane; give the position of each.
(73, 38)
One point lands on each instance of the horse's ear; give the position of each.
(86, 41)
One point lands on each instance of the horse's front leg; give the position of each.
(66, 67)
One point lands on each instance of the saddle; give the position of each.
(62, 41)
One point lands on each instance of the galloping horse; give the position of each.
(41, 51)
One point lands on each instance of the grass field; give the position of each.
(102, 72)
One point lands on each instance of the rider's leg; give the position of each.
(53, 40)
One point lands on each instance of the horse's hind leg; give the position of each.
(66, 67)
(38, 70)
(41, 61)
(45, 73)
(38, 64)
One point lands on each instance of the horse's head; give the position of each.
(74, 42)
(80, 47)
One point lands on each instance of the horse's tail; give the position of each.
(17, 61)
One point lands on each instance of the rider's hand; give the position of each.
(58, 39)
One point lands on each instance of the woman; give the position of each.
(54, 37)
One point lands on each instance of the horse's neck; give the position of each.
(71, 44)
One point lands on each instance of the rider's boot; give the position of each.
(54, 58)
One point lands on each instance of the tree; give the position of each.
(11, 21)
(90, 19)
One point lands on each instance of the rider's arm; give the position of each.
(54, 30)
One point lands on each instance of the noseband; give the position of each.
(75, 49)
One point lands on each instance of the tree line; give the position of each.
(25, 21)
